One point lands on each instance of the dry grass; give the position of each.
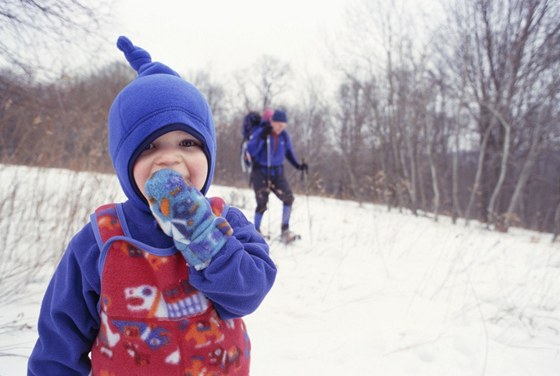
(41, 209)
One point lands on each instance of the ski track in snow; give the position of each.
(365, 291)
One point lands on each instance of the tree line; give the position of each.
(462, 122)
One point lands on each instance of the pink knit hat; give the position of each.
(267, 114)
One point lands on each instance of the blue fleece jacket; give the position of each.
(236, 281)
(238, 277)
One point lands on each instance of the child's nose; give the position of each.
(166, 158)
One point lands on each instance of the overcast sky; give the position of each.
(225, 35)
(222, 37)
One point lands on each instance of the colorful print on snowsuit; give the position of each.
(153, 322)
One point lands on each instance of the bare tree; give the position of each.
(476, 184)
(528, 164)
(349, 132)
(310, 121)
(262, 83)
(379, 51)
(29, 29)
(494, 218)
(271, 78)
(431, 162)
(214, 92)
(504, 50)
(458, 126)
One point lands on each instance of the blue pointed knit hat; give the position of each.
(157, 101)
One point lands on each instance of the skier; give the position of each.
(268, 146)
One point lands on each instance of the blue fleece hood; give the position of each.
(156, 102)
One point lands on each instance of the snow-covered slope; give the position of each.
(365, 291)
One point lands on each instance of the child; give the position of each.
(268, 146)
(156, 285)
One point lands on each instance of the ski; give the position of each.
(282, 238)
(289, 237)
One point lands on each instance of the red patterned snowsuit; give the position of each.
(153, 322)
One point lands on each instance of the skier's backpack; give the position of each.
(250, 122)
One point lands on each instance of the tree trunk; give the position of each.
(456, 211)
(397, 160)
(410, 177)
(433, 170)
(495, 219)
(556, 223)
(478, 175)
(525, 172)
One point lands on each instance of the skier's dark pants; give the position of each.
(278, 185)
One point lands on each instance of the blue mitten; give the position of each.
(186, 215)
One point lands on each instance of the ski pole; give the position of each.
(268, 178)
(305, 177)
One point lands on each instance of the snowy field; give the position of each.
(365, 292)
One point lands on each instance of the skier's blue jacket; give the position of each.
(280, 148)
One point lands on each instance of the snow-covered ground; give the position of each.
(365, 292)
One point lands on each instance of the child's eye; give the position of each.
(150, 146)
(189, 143)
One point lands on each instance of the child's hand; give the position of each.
(186, 215)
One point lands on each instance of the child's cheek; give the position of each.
(140, 174)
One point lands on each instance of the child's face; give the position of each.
(175, 150)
